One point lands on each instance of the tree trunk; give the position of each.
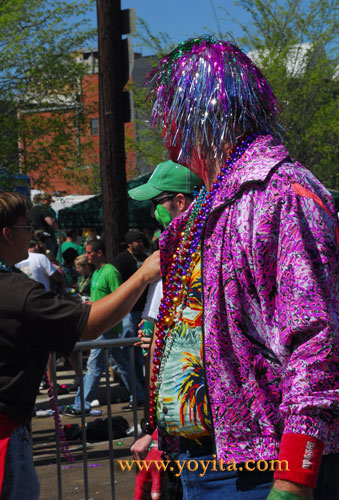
(111, 125)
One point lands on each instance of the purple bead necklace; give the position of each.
(183, 261)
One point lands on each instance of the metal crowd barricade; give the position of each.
(84, 346)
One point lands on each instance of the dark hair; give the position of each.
(71, 232)
(36, 198)
(33, 243)
(13, 206)
(97, 244)
(69, 255)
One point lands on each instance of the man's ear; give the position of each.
(181, 201)
(6, 234)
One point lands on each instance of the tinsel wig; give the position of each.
(207, 92)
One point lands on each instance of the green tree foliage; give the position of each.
(146, 142)
(41, 109)
(294, 42)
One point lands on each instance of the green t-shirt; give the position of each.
(104, 281)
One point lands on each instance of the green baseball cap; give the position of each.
(168, 176)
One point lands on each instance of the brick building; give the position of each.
(80, 116)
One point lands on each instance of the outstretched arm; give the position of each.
(108, 311)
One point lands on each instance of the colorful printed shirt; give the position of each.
(270, 268)
(182, 405)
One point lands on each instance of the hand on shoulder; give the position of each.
(151, 267)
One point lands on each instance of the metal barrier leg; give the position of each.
(80, 346)
(83, 423)
(109, 423)
(134, 392)
(57, 445)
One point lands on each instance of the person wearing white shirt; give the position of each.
(38, 267)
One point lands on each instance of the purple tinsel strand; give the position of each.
(205, 91)
(58, 425)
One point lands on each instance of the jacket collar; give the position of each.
(256, 163)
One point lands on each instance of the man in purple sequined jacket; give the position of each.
(269, 267)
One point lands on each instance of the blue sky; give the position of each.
(181, 19)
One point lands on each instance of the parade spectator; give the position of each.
(56, 287)
(249, 315)
(68, 268)
(127, 262)
(170, 189)
(34, 322)
(105, 279)
(85, 272)
(44, 220)
(71, 242)
(38, 266)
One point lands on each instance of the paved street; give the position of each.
(44, 451)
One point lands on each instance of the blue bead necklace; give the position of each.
(5, 267)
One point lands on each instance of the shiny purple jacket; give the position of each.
(270, 280)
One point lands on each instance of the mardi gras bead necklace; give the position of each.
(183, 261)
(5, 267)
(58, 426)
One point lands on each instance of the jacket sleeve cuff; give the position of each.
(302, 455)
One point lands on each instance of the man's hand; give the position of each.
(108, 311)
(145, 342)
(152, 475)
(151, 267)
(286, 490)
(140, 447)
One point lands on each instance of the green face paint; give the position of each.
(163, 216)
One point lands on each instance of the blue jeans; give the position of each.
(247, 485)
(130, 329)
(20, 479)
(208, 483)
(95, 368)
(328, 484)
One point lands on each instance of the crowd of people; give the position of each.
(80, 272)
(35, 322)
(243, 361)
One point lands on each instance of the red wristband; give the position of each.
(303, 457)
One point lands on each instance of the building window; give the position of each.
(94, 123)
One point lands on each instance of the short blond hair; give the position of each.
(81, 260)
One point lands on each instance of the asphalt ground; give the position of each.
(98, 466)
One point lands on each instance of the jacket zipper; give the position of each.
(203, 315)
(223, 205)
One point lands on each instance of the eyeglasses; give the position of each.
(26, 227)
(161, 199)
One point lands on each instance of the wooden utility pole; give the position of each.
(111, 124)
